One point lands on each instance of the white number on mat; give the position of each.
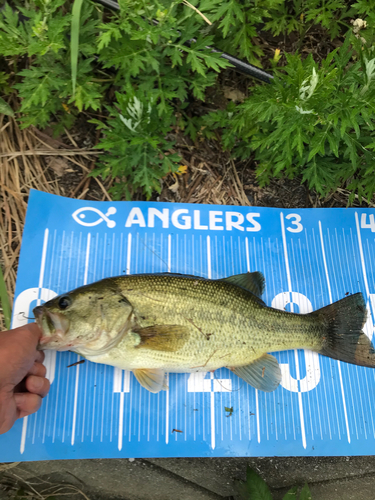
(370, 224)
(298, 227)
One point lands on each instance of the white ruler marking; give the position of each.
(41, 276)
(169, 252)
(121, 421)
(213, 430)
(209, 257)
(338, 362)
(78, 357)
(247, 255)
(300, 402)
(257, 411)
(364, 272)
(129, 253)
(167, 411)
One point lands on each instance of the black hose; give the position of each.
(240, 66)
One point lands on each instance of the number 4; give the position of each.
(370, 225)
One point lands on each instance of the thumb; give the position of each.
(22, 339)
(30, 332)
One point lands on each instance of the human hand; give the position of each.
(22, 375)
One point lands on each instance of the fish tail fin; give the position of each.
(343, 338)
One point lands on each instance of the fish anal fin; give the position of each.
(264, 373)
(169, 338)
(151, 379)
(253, 282)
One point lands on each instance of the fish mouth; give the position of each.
(54, 327)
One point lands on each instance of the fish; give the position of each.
(154, 324)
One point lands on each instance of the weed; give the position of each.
(4, 301)
(314, 120)
(255, 488)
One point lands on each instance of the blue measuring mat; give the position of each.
(309, 257)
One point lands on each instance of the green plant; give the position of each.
(5, 109)
(4, 301)
(255, 488)
(236, 23)
(135, 145)
(332, 16)
(45, 84)
(74, 41)
(140, 68)
(314, 120)
(73, 59)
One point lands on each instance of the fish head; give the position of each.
(90, 320)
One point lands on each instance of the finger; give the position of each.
(21, 387)
(27, 404)
(38, 369)
(39, 356)
(37, 385)
(28, 334)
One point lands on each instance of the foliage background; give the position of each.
(145, 75)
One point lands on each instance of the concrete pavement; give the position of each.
(343, 478)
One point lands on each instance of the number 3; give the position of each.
(295, 222)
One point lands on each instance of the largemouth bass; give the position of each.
(158, 323)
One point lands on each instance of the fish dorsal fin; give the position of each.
(254, 282)
(152, 380)
(169, 338)
(264, 373)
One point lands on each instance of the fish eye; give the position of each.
(64, 302)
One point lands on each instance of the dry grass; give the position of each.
(14, 486)
(211, 178)
(25, 163)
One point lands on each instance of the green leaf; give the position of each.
(5, 109)
(255, 487)
(196, 63)
(109, 31)
(229, 410)
(305, 493)
(74, 40)
(292, 494)
(86, 96)
(4, 301)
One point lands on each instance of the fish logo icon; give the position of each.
(79, 216)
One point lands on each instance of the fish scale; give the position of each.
(220, 317)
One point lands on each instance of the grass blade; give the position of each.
(4, 301)
(74, 40)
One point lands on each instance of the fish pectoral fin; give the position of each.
(169, 338)
(264, 373)
(253, 282)
(153, 380)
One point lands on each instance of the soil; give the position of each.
(211, 177)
